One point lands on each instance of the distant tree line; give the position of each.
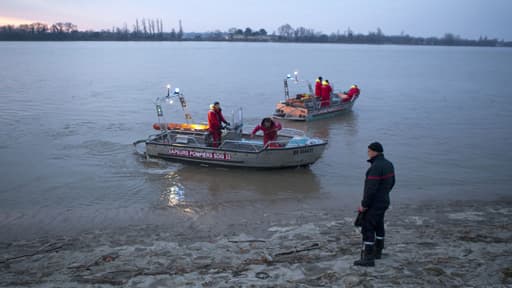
(142, 30)
(152, 30)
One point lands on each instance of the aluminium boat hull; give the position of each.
(287, 111)
(237, 153)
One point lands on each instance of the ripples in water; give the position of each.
(66, 138)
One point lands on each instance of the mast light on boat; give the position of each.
(159, 111)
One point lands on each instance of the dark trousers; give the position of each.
(373, 224)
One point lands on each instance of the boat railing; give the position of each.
(160, 137)
(241, 145)
(291, 132)
(276, 144)
(171, 137)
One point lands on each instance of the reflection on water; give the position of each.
(197, 185)
(174, 193)
(346, 123)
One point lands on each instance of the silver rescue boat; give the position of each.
(291, 149)
(192, 143)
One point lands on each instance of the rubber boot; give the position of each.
(379, 245)
(367, 256)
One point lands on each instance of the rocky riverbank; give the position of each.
(456, 244)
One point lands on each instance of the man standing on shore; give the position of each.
(380, 179)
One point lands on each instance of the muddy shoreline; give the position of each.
(441, 244)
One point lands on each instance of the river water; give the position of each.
(69, 113)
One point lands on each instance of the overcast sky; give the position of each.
(466, 18)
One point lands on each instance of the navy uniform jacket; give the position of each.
(380, 179)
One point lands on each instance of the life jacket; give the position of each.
(214, 123)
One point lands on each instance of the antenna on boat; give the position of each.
(170, 99)
(286, 91)
(160, 112)
(183, 103)
(295, 78)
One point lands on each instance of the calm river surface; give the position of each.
(69, 113)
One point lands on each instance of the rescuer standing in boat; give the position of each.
(269, 128)
(214, 126)
(218, 110)
(215, 120)
(318, 86)
(325, 93)
(380, 179)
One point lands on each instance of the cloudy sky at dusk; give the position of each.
(467, 18)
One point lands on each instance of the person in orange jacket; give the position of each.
(325, 94)
(318, 86)
(269, 128)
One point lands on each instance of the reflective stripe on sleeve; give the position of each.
(380, 177)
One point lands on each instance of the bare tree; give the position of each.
(144, 28)
(247, 32)
(136, 29)
(125, 29)
(285, 31)
(180, 32)
(38, 27)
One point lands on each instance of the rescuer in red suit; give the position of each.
(325, 93)
(215, 120)
(269, 128)
(218, 110)
(354, 91)
(318, 86)
(214, 126)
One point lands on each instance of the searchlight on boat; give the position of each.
(168, 90)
